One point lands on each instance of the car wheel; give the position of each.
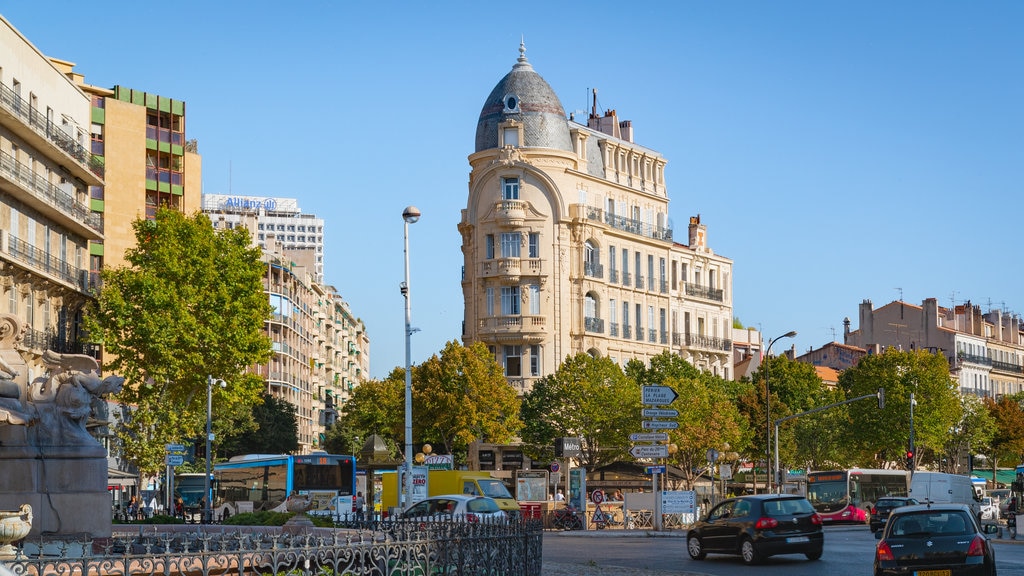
(749, 552)
(696, 548)
(814, 554)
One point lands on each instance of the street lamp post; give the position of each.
(410, 215)
(210, 381)
(768, 413)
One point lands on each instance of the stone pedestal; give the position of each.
(66, 487)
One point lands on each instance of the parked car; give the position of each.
(935, 539)
(989, 509)
(758, 526)
(883, 506)
(455, 507)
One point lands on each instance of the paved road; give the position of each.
(848, 552)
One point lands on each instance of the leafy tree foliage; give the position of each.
(378, 407)
(971, 434)
(189, 303)
(589, 398)
(458, 396)
(345, 439)
(708, 418)
(461, 396)
(794, 387)
(877, 437)
(276, 432)
(1007, 441)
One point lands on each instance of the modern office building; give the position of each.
(46, 219)
(568, 246)
(300, 235)
(150, 164)
(985, 351)
(321, 349)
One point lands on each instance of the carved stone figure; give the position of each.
(58, 403)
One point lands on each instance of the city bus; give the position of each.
(257, 482)
(847, 495)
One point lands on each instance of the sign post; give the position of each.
(655, 396)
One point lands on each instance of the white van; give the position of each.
(942, 488)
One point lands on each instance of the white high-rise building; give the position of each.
(280, 220)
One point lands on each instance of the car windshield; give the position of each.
(494, 489)
(787, 507)
(931, 523)
(480, 505)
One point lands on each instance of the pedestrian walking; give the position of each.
(360, 507)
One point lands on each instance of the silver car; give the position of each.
(455, 507)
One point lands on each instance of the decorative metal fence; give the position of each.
(389, 548)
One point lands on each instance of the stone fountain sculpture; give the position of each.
(49, 460)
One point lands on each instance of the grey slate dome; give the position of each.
(524, 96)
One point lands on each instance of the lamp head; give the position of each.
(789, 334)
(411, 214)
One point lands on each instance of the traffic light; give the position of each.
(910, 458)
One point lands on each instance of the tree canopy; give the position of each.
(589, 398)
(188, 304)
(875, 437)
(458, 396)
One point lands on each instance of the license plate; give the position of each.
(797, 539)
(932, 573)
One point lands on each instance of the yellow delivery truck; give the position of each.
(452, 482)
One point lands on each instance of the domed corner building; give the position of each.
(568, 246)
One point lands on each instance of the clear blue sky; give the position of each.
(836, 151)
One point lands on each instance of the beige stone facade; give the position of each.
(985, 351)
(46, 220)
(568, 246)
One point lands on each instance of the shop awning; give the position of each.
(1003, 477)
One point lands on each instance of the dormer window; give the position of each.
(511, 104)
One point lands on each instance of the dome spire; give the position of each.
(522, 63)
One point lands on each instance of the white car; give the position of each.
(455, 507)
(989, 509)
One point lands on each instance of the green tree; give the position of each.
(708, 417)
(879, 438)
(589, 398)
(461, 396)
(378, 407)
(1007, 441)
(344, 439)
(973, 433)
(189, 303)
(795, 387)
(276, 430)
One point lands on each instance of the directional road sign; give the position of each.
(175, 447)
(648, 437)
(175, 459)
(649, 451)
(658, 395)
(659, 413)
(660, 425)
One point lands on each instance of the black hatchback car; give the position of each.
(939, 539)
(758, 526)
(880, 511)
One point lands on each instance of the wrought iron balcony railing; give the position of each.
(593, 325)
(704, 292)
(629, 225)
(17, 105)
(39, 187)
